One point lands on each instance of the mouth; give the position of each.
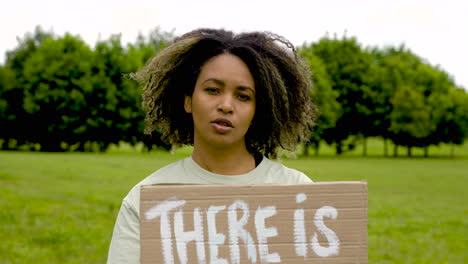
(223, 122)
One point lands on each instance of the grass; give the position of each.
(61, 207)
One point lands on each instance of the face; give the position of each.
(223, 102)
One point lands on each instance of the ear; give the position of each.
(188, 104)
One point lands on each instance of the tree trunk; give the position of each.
(88, 146)
(339, 149)
(395, 150)
(103, 146)
(409, 151)
(385, 149)
(80, 147)
(51, 146)
(364, 147)
(305, 153)
(317, 146)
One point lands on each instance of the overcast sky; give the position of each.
(435, 30)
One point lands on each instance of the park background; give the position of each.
(72, 143)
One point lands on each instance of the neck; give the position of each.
(225, 161)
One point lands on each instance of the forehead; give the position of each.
(227, 68)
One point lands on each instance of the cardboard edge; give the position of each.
(363, 183)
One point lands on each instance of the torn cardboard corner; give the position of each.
(323, 222)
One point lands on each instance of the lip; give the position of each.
(222, 128)
(223, 120)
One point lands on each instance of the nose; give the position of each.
(225, 105)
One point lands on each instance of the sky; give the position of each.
(434, 30)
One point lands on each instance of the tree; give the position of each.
(71, 95)
(450, 112)
(26, 47)
(145, 47)
(323, 96)
(6, 84)
(437, 85)
(16, 117)
(57, 76)
(393, 69)
(118, 113)
(399, 69)
(348, 66)
(410, 118)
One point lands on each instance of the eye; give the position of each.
(244, 97)
(212, 90)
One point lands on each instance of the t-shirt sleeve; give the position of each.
(302, 178)
(125, 244)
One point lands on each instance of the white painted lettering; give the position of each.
(300, 240)
(238, 214)
(182, 237)
(162, 210)
(333, 241)
(214, 238)
(236, 231)
(264, 233)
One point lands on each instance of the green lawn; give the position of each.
(61, 207)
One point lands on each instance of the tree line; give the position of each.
(59, 94)
(385, 92)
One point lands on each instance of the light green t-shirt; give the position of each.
(125, 244)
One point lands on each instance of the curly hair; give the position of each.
(284, 113)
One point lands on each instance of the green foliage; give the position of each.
(348, 66)
(58, 76)
(119, 118)
(415, 94)
(322, 95)
(78, 98)
(450, 114)
(74, 97)
(13, 134)
(6, 81)
(26, 47)
(146, 46)
(410, 118)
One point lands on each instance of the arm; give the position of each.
(125, 244)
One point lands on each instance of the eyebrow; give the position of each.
(219, 82)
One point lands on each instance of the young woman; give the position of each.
(237, 99)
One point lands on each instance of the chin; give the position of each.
(225, 143)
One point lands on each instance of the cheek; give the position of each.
(199, 111)
(250, 115)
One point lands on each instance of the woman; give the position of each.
(238, 99)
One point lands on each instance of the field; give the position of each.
(61, 207)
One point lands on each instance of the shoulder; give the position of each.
(167, 174)
(276, 172)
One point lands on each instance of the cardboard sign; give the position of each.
(323, 222)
